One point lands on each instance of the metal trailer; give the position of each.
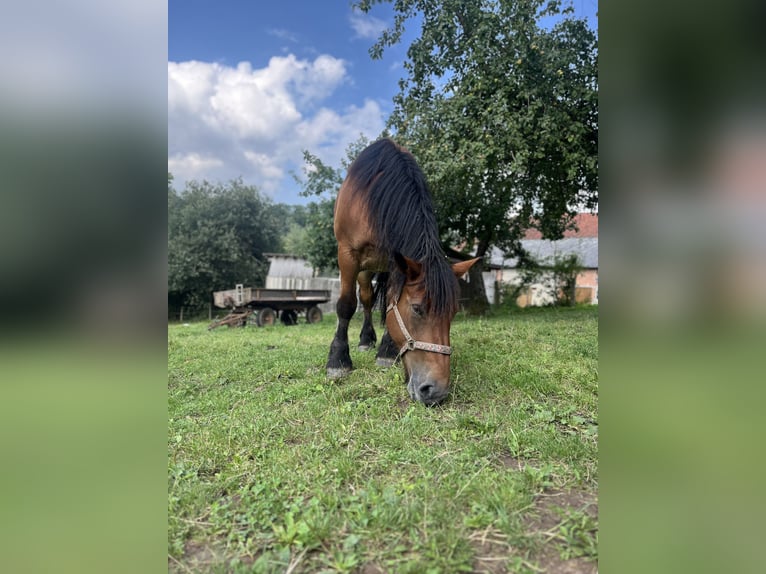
(250, 305)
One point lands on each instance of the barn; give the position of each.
(581, 241)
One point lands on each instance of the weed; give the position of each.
(579, 534)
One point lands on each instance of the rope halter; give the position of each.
(410, 343)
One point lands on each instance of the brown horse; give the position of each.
(386, 228)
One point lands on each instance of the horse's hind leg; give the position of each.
(367, 338)
(339, 359)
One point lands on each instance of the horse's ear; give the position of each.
(411, 268)
(461, 268)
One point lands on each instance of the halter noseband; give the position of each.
(410, 343)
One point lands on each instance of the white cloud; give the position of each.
(193, 163)
(366, 26)
(341, 128)
(265, 164)
(225, 122)
(283, 34)
(254, 104)
(190, 85)
(322, 77)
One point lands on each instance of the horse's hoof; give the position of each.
(384, 362)
(336, 373)
(365, 347)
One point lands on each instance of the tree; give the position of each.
(217, 235)
(295, 241)
(501, 113)
(321, 247)
(293, 218)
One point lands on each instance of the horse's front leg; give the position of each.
(339, 359)
(387, 352)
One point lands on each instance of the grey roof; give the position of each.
(545, 250)
(289, 266)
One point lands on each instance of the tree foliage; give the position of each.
(500, 108)
(217, 237)
(295, 241)
(294, 219)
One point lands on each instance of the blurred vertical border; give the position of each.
(683, 285)
(83, 115)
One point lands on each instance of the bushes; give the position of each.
(556, 280)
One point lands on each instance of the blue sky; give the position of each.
(251, 84)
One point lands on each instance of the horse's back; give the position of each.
(381, 203)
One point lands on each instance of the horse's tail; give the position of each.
(379, 294)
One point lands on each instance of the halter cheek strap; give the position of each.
(410, 343)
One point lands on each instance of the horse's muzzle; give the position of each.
(427, 391)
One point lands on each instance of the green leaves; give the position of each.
(292, 531)
(217, 235)
(500, 111)
(579, 534)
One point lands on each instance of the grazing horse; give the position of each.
(385, 227)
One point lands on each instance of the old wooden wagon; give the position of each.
(251, 305)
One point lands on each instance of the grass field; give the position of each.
(273, 468)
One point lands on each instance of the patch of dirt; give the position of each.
(196, 556)
(372, 569)
(510, 461)
(546, 516)
(492, 552)
(546, 504)
(201, 556)
(551, 563)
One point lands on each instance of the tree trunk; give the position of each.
(472, 291)
(477, 294)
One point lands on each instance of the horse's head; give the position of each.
(422, 334)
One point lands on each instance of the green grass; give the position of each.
(271, 467)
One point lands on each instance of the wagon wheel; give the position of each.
(289, 317)
(314, 314)
(266, 316)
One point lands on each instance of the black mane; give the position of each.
(402, 216)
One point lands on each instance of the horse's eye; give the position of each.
(417, 309)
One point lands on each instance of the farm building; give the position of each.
(288, 271)
(582, 241)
